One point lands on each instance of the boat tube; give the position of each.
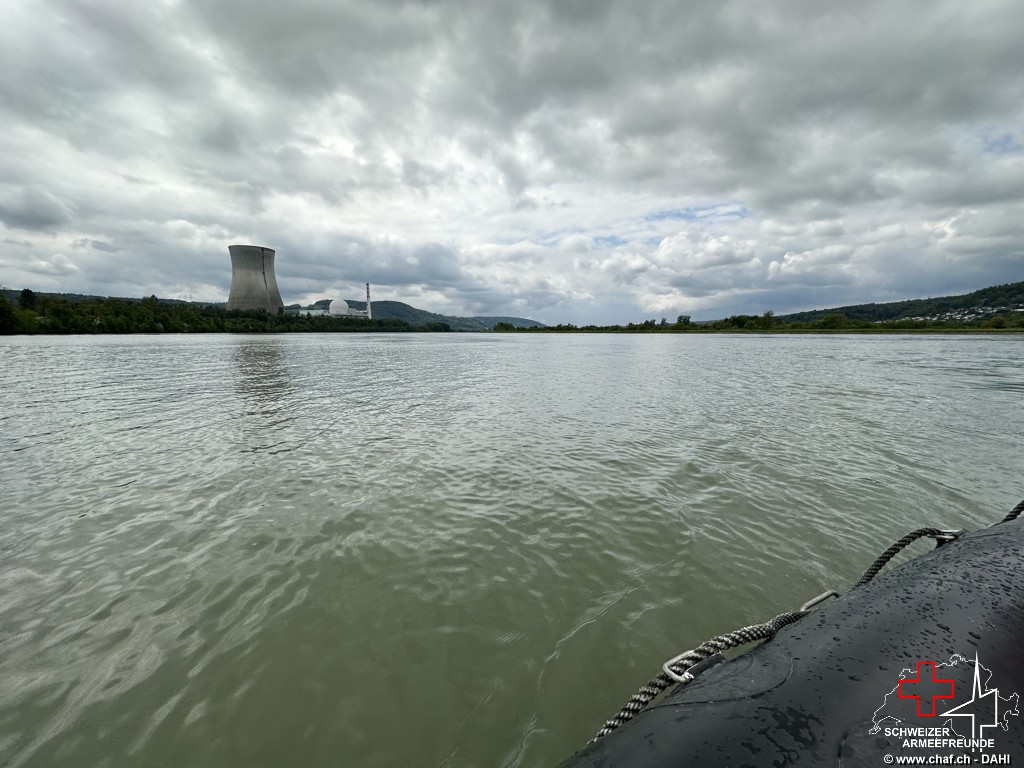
(923, 665)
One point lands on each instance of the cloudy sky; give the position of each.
(566, 160)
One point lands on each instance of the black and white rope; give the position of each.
(1014, 513)
(936, 533)
(680, 664)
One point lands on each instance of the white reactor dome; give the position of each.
(339, 307)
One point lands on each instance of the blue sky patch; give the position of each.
(1002, 144)
(700, 213)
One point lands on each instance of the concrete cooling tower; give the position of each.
(253, 283)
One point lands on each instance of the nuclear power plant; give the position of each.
(341, 307)
(254, 285)
(253, 282)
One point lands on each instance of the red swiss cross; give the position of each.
(926, 688)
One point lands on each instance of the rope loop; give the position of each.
(940, 535)
(677, 668)
(1014, 513)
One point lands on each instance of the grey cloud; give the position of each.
(367, 260)
(98, 245)
(313, 47)
(1003, 183)
(420, 175)
(32, 209)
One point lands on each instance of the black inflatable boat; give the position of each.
(923, 665)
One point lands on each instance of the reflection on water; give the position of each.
(284, 550)
(262, 376)
(262, 373)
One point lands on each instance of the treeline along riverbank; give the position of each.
(768, 323)
(49, 315)
(999, 308)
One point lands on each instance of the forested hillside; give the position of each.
(983, 302)
(998, 308)
(401, 311)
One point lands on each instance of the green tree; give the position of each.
(997, 321)
(9, 321)
(27, 299)
(836, 321)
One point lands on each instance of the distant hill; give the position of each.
(401, 311)
(985, 301)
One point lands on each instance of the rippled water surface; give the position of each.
(444, 550)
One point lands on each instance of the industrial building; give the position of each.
(253, 282)
(341, 307)
(254, 285)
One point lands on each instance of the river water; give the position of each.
(441, 549)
